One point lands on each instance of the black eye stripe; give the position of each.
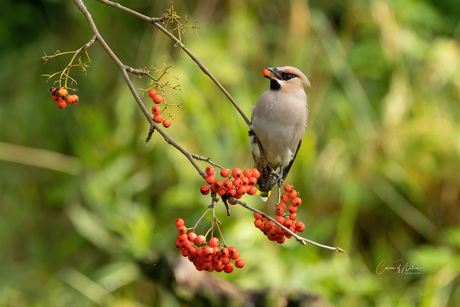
(288, 76)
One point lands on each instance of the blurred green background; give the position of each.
(83, 199)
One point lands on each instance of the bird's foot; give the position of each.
(278, 177)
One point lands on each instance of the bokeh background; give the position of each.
(83, 199)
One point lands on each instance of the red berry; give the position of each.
(292, 208)
(235, 255)
(258, 223)
(224, 252)
(72, 99)
(279, 219)
(228, 184)
(210, 179)
(293, 216)
(61, 104)
(157, 98)
(241, 190)
(166, 123)
(217, 185)
(237, 182)
(225, 172)
(204, 190)
(182, 237)
(225, 259)
(191, 236)
(156, 110)
(299, 226)
(200, 239)
(152, 92)
(208, 250)
(158, 118)
(240, 263)
(213, 242)
(279, 210)
(209, 170)
(179, 244)
(285, 198)
(179, 222)
(266, 72)
(237, 173)
(269, 225)
(255, 173)
(228, 268)
(258, 216)
(62, 92)
(296, 201)
(293, 194)
(231, 192)
(288, 188)
(247, 173)
(182, 229)
(252, 190)
(52, 89)
(280, 239)
(55, 98)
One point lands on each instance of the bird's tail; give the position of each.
(270, 199)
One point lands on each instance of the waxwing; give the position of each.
(278, 123)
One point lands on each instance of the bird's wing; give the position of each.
(288, 168)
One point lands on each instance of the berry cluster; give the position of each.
(206, 256)
(286, 218)
(156, 110)
(234, 183)
(62, 97)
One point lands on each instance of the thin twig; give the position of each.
(124, 70)
(156, 23)
(200, 158)
(300, 239)
(202, 216)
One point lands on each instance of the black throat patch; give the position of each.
(274, 85)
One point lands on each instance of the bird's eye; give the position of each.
(288, 76)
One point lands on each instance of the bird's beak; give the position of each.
(276, 74)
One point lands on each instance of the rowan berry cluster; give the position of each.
(62, 97)
(206, 256)
(234, 183)
(287, 218)
(156, 109)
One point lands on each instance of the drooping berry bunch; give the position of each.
(156, 109)
(287, 218)
(234, 183)
(62, 97)
(206, 256)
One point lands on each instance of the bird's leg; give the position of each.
(278, 177)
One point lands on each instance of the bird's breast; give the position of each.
(279, 122)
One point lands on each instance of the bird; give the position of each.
(278, 124)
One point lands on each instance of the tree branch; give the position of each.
(190, 156)
(124, 70)
(302, 240)
(156, 23)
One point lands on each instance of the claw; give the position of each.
(278, 177)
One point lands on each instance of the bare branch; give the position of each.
(190, 156)
(156, 23)
(302, 240)
(124, 70)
